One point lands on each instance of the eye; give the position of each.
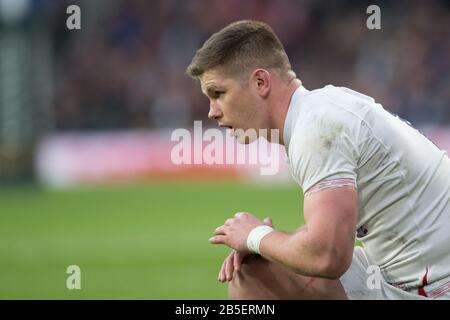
(217, 94)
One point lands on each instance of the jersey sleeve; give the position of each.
(324, 148)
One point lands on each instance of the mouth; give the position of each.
(225, 126)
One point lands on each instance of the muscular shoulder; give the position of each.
(325, 137)
(324, 114)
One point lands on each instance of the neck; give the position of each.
(281, 106)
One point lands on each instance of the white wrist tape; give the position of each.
(255, 236)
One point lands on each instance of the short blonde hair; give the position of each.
(240, 47)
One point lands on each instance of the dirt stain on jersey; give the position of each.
(321, 140)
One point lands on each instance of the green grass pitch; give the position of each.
(142, 241)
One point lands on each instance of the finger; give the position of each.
(220, 230)
(238, 257)
(240, 214)
(219, 239)
(229, 267)
(268, 221)
(228, 222)
(221, 277)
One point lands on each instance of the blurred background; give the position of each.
(85, 132)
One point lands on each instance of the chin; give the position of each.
(241, 140)
(245, 136)
(245, 139)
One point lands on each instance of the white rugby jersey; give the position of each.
(402, 179)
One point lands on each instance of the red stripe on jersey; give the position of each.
(424, 283)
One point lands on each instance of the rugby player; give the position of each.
(365, 174)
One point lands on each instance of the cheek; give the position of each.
(242, 104)
(249, 108)
(231, 105)
(239, 106)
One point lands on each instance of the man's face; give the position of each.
(233, 104)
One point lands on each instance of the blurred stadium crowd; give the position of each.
(125, 68)
(128, 70)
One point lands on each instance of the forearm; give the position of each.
(299, 252)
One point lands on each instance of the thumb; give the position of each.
(268, 221)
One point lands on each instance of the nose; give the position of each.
(214, 112)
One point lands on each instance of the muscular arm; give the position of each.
(324, 246)
(321, 248)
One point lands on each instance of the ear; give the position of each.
(262, 81)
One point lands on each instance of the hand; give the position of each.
(235, 231)
(234, 261)
(231, 263)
